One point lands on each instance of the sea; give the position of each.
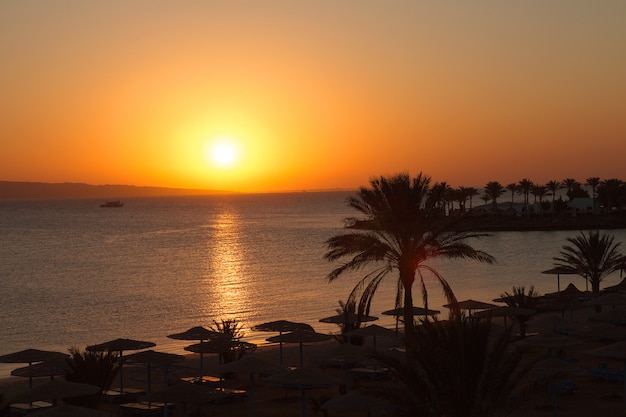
(73, 274)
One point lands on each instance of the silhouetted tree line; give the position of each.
(608, 195)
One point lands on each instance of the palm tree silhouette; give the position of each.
(525, 185)
(402, 230)
(593, 256)
(554, 186)
(512, 187)
(494, 189)
(593, 182)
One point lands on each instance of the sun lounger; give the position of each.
(205, 380)
(371, 373)
(226, 395)
(129, 395)
(142, 408)
(23, 409)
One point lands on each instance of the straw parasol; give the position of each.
(619, 287)
(120, 345)
(282, 326)
(374, 331)
(220, 346)
(150, 357)
(52, 368)
(417, 311)
(300, 337)
(31, 356)
(201, 334)
(471, 305)
(558, 271)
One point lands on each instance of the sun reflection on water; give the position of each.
(225, 271)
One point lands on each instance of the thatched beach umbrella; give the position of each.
(150, 357)
(417, 311)
(120, 345)
(282, 326)
(300, 337)
(200, 334)
(220, 346)
(56, 367)
(471, 305)
(505, 311)
(373, 331)
(31, 356)
(558, 271)
(619, 287)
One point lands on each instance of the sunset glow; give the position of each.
(310, 95)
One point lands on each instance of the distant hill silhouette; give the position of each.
(10, 190)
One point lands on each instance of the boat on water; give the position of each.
(116, 203)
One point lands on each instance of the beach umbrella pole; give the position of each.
(251, 397)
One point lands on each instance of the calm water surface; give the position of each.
(74, 274)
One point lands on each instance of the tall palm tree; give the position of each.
(593, 256)
(471, 193)
(494, 190)
(461, 195)
(611, 190)
(525, 185)
(402, 230)
(570, 184)
(593, 182)
(539, 191)
(512, 187)
(553, 187)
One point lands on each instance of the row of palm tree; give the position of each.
(610, 192)
(404, 228)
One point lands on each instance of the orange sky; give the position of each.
(311, 95)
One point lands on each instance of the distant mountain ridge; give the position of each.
(14, 190)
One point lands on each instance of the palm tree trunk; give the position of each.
(409, 325)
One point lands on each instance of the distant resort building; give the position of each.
(575, 207)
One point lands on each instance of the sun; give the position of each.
(222, 154)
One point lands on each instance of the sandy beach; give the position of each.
(591, 396)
